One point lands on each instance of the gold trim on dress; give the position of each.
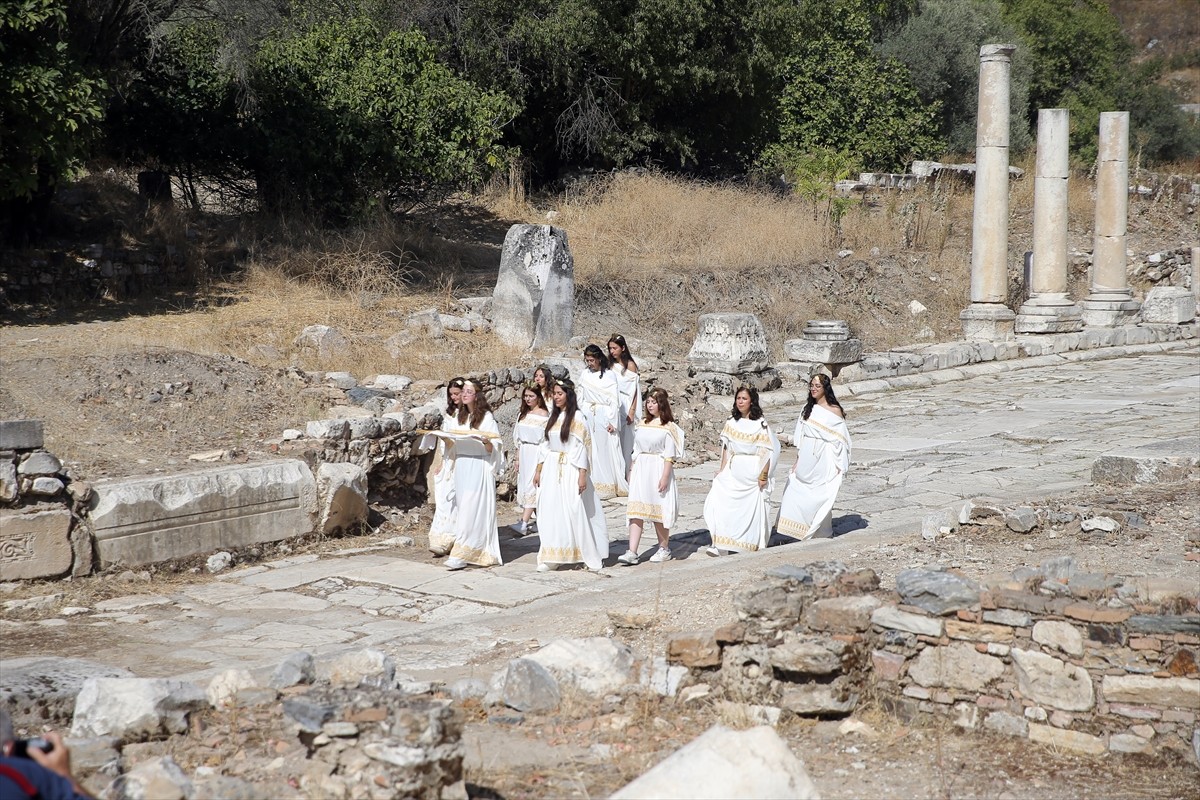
(732, 544)
(830, 431)
(473, 555)
(647, 511)
(559, 555)
(791, 527)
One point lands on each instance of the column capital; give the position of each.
(997, 52)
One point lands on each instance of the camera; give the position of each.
(21, 747)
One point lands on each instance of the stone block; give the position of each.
(937, 592)
(533, 304)
(1172, 305)
(1129, 743)
(1004, 616)
(978, 632)
(1069, 740)
(1006, 724)
(714, 766)
(342, 493)
(35, 543)
(892, 618)
(39, 463)
(153, 519)
(823, 352)
(694, 650)
(729, 343)
(21, 434)
(10, 487)
(1124, 470)
(887, 666)
(840, 614)
(819, 699)
(595, 665)
(806, 656)
(1149, 690)
(1060, 635)
(135, 709)
(526, 686)
(956, 666)
(1051, 682)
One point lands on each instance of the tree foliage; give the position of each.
(48, 101)
(840, 95)
(939, 44)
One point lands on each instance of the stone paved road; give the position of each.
(1012, 437)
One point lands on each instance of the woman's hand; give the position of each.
(487, 446)
(611, 429)
(629, 418)
(762, 482)
(582, 481)
(663, 483)
(537, 476)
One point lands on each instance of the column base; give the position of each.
(987, 322)
(1049, 313)
(1103, 310)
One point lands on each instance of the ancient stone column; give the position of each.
(988, 317)
(1111, 302)
(1196, 276)
(1049, 309)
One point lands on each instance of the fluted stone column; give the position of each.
(1111, 302)
(988, 317)
(1049, 309)
(1196, 276)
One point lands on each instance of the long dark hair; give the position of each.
(600, 356)
(451, 406)
(541, 401)
(549, 376)
(626, 356)
(660, 396)
(477, 411)
(755, 408)
(568, 413)
(829, 395)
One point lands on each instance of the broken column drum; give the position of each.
(827, 342)
(987, 317)
(1049, 309)
(1111, 302)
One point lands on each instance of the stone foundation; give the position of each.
(1060, 665)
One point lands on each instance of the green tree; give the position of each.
(346, 117)
(48, 105)
(839, 95)
(940, 44)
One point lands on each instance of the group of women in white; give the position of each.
(578, 443)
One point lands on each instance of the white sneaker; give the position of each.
(663, 554)
(712, 551)
(455, 563)
(544, 568)
(628, 558)
(519, 527)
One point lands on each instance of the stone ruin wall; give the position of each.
(1071, 669)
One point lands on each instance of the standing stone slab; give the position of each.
(533, 304)
(716, 766)
(343, 492)
(730, 343)
(153, 519)
(1172, 305)
(1047, 681)
(35, 544)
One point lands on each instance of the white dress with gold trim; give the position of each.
(600, 398)
(627, 386)
(654, 444)
(528, 434)
(823, 445)
(571, 525)
(472, 535)
(441, 532)
(736, 509)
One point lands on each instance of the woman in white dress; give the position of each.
(658, 441)
(600, 400)
(570, 518)
(626, 369)
(543, 379)
(823, 456)
(736, 509)
(528, 434)
(474, 449)
(441, 532)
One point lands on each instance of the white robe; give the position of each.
(600, 399)
(627, 386)
(528, 434)
(823, 445)
(571, 525)
(471, 517)
(736, 509)
(654, 444)
(441, 532)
